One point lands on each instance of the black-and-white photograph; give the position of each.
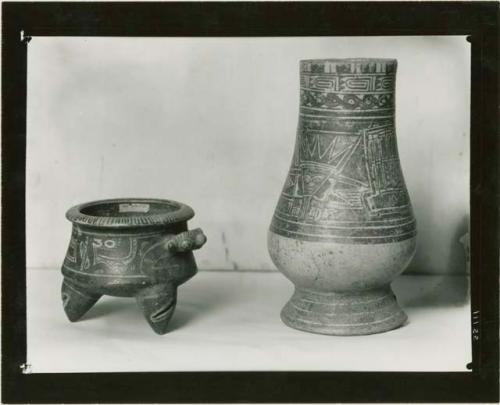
(318, 170)
(242, 203)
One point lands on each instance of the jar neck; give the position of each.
(350, 93)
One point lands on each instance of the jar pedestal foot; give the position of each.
(348, 313)
(158, 304)
(76, 301)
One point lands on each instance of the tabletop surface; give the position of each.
(229, 321)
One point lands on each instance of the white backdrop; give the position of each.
(211, 122)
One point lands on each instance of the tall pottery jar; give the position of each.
(344, 228)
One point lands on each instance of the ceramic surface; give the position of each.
(131, 248)
(344, 227)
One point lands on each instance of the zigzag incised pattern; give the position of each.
(336, 101)
(345, 183)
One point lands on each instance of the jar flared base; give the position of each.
(346, 314)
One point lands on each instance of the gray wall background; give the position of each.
(211, 122)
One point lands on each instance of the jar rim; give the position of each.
(351, 60)
(349, 66)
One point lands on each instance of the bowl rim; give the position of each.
(182, 213)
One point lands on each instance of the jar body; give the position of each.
(344, 227)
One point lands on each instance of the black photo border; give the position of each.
(477, 20)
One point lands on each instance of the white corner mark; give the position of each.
(26, 368)
(24, 38)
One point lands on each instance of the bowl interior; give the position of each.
(129, 209)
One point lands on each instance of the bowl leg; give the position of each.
(354, 313)
(76, 301)
(158, 303)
